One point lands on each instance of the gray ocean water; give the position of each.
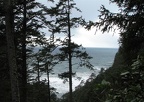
(102, 58)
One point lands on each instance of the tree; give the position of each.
(27, 23)
(24, 63)
(69, 52)
(128, 21)
(4, 70)
(45, 60)
(9, 19)
(49, 61)
(37, 66)
(63, 24)
(81, 57)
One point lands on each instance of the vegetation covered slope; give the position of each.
(119, 83)
(123, 82)
(98, 89)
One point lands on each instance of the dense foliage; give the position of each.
(34, 52)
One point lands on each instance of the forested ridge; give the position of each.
(25, 51)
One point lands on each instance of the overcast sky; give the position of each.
(90, 12)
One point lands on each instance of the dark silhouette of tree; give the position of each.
(9, 19)
(27, 23)
(4, 69)
(129, 21)
(78, 54)
(24, 63)
(45, 60)
(63, 24)
(69, 53)
(27, 19)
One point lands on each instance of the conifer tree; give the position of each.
(128, 20)
(63, 24)
(24, 63)
(30, 18)
(4, 70)
(9, 20)
(45, 60)
(26, 32)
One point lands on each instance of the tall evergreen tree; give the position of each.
(29, 19)
(46, 59)
(24, 64)
(4, 70)
(69, 53)
(63, 24)
(129, 21)
(26, 32)
(9, 20)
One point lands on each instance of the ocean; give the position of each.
(102, 58)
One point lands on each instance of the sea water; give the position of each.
(102, 58)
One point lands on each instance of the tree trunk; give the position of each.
(24, 65)
(9, 20)
(38, 70)
(49, 93)
(70, 56)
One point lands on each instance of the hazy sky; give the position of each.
(90, 12)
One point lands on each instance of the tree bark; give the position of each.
(70, 56)
(24, 64)
(9, 20)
